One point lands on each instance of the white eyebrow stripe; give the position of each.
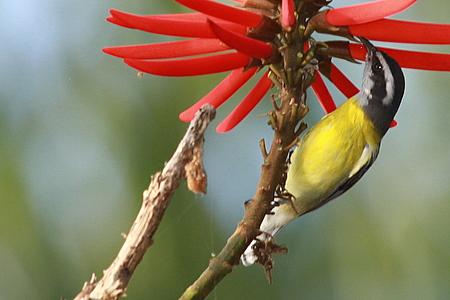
(389, 79)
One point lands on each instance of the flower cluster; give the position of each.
(245, 40)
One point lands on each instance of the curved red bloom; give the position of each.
(191, 66)
(225, 12)
(343, 84)
(287, 14)
(215, 29)
(185, 25)
(246, 105)
(322, 93)
(409, 59)
(366, 12)
(368, 20)
(168, 49)
(221, 38)
(252, 47)
(221, 93)
(403, 32)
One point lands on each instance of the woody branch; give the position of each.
(156, 198)
(292, 75)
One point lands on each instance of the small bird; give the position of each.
(340, 148)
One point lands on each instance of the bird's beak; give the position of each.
(371, 49)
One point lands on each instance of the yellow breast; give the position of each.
(328, 154)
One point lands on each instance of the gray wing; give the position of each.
(366, 160)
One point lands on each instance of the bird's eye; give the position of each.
(376, 67)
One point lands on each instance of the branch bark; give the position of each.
(285, 121)
(156, 198)
(293, 75)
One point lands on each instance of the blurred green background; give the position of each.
(80, 135)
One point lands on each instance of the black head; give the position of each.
(383, 87)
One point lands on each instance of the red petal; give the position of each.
(242, 43)
(118, 22)
(323, 95)
(224, 12)
(221, 93)
(408, 59)
(403, 32)
(287, 14)
(246, 105)
(393, 124)
(186, 25)
(168, 49)
(343, 84)
(191, 66)
(366, 12)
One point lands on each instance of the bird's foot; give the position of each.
(284, 196)
(263, 250)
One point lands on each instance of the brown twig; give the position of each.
(156, 198)
(292, 77)
(271, 175)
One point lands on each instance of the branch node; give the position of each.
(262, 146)
(247, 203)
(273, 120)
(274, 103)
(292, 144)
(300, 129)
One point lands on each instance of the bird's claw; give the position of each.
(263, 250)
(284, 196)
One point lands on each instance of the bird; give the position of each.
(331, 157)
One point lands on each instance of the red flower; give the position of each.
(224, 38)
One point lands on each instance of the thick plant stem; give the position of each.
(284, 121)
(293, 75)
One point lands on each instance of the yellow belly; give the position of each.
(328, 154)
